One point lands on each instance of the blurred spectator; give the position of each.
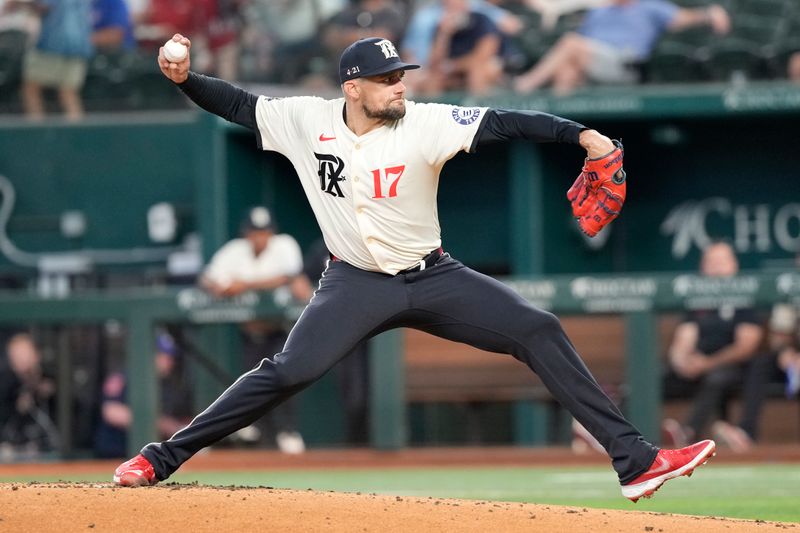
(59, 59)
(19, 29)
(363, 19)
(137, 10)
(465, 55)
(112, 29)
(111, 433)
(552, 10)
(613, 42)
(714, 353)
(784, 338)
(418, 41)
(288, 35)
(353, 370)
(360, 20)
(794, 67)
(25, 397)
(16, 15)
(223, 37)
(214, 26)
(258, 261)
(164, 18)
(784, 342)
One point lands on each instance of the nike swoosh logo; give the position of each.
(323, 138)
(663, 466)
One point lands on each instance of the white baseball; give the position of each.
(175, 51)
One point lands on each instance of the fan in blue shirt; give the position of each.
(111, 25)
(612, 40)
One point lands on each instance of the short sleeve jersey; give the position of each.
(374, 196)
(236, 261)
(717, 327)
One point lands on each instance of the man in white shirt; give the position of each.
(260, 260)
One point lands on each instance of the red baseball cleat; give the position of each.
(136, 472)
(669, 464)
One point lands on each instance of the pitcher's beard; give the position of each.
(388, 113)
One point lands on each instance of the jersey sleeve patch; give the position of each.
(466, 115)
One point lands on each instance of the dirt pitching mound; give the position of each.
(84, 507)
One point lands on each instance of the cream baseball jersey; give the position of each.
(374, 196)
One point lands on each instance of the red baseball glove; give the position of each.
(599, 191)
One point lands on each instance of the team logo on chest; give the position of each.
(330, 174)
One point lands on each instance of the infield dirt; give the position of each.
(66, 507)
(63, 507)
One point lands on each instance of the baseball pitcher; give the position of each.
(369, 163)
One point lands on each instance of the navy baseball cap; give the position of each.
(370, 57)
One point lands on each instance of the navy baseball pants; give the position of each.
(448, 300)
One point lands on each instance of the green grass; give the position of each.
(769, 492)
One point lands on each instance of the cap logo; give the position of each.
(387, 48)
(260, 217)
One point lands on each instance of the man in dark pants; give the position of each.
(369, 164)
(713, 352)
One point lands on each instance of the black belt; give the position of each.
(428, 261)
